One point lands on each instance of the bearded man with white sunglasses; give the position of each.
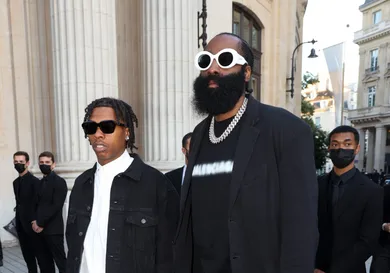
(249, 198)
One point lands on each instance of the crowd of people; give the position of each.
(246, 200)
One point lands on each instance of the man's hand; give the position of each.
(318, 271)
(35, 227)
(386, 227)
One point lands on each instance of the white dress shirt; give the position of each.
(95, 243)
(183, 174)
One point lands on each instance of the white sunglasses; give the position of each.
(226, 58)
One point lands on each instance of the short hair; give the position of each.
(25, 154)
(244, 46)
(123, 112)
(185, 139)
(47, 154)
(345, 129)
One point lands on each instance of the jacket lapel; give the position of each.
(194, 151)
(246, 142)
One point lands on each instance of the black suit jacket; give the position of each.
(273, 195)
(25, 200)
(384, 238)
(350, 237)
(50, 201)
(175, 176)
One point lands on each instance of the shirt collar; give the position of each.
(345, 177)
(134, 171)
(116, 166)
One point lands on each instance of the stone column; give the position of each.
(380, 147)
(370, 150)
(84, 68)
(170, 44)
(360, 156)
(361, 94)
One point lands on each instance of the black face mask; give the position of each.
(45, 169)
(19, 167)
(341, 158)
(215, 101)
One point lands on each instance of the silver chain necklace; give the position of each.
(229, 129)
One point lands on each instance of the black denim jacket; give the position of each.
(144, 209)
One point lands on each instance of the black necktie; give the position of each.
(336, 192)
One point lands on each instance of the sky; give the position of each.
(326, 21)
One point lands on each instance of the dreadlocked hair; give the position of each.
(123, 112)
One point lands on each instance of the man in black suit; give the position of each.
(349, 209)
(49, 222)
(249, 197)
(26, 187)
(381, 261)
(177, 176)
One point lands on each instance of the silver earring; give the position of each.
(127, 138)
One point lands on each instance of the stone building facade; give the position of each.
(58, 56)
(372, 116)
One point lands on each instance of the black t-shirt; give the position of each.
(210, 200)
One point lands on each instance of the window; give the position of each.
(377, 17)
(374, 59)
(318, 121)
(246, 26)
(371, 96)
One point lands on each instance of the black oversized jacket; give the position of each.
(143, 215)
(273, 196)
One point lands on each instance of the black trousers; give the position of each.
(52, 250)
(27, 241)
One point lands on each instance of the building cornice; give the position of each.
(369, 114)
(372, 33)
(370, 4)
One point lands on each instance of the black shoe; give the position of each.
(1, 262)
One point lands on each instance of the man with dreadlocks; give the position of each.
(122, 212)
(249, 197)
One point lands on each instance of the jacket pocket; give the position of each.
(141, 230)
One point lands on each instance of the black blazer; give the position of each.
(25, 200)
(50, 201)
(350, 237)
(384, 238)
(175, 176)
(273, 195)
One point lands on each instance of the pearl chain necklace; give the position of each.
(229, 129)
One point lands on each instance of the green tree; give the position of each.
(319, 135)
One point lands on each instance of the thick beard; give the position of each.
(215, 101)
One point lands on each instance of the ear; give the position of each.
(127, 132)
(248, 73)
(183, 150)
(358, 149)
(28, 163)
(53, 166)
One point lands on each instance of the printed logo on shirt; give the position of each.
(215, 168)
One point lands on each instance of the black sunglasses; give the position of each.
(106, 126)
